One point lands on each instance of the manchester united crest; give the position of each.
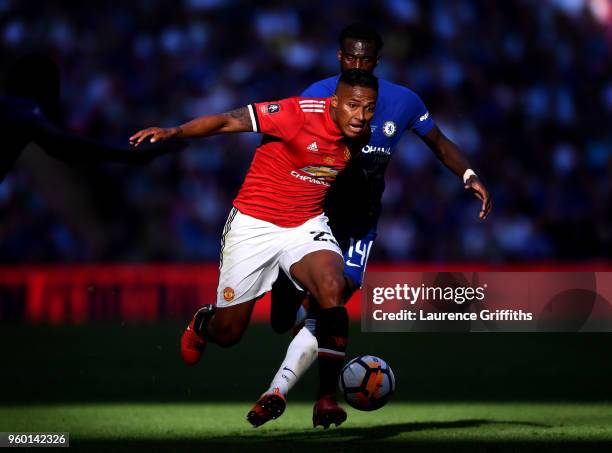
(228, 294)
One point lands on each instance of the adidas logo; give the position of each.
(313, 147)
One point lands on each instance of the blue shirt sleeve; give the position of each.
(310, 92)
(321, 89)
(421, 122)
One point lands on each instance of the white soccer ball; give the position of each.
(367, 383)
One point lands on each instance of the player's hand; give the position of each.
(154, 134)
(474, 185)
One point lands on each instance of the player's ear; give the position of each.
(334, 101)
(339, 54)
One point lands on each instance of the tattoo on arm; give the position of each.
(242, 116)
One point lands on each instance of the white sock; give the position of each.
(301, 354)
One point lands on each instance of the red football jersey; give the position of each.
(300, 155)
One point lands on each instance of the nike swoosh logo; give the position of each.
(349, 264)
(291, 371)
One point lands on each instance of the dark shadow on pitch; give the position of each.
(383, 432)
(357, 439)
(270, 446)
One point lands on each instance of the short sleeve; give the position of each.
(421, 122)
(282, 119)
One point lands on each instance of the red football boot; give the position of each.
(193, 342)
(326, 411)
(268, 407)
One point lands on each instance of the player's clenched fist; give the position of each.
(156, 134)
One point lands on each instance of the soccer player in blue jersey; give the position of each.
(353, 207)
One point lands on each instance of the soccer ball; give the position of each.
(367, 382)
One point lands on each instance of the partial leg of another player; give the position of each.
(286, 304)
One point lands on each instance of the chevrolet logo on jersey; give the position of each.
(320, 171)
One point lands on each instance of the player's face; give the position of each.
(353, 109)
(356, 54)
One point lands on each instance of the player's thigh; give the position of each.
(249, 262)
(320, 272)
(313, 260)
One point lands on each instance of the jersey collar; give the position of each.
(330, 125)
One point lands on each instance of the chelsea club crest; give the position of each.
(389, 128)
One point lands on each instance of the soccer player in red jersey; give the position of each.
(354, 203)
(277, 221)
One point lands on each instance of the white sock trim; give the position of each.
(301, 354)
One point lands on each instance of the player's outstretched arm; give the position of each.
(73, 148)
(238, 120)
(448, 153)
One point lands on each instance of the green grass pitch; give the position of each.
(120, 387)
(428, 426)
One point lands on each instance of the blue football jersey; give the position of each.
(353, 205)
(397, 109)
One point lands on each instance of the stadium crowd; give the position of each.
(524, 87)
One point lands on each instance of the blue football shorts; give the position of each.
(356, 256)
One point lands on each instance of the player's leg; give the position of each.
(227, 324)
(326, 410)
(286, 301)
(312, 245)
(221, 326)
(321, 273)
(249, 265)
(302, 351)
(300, 355)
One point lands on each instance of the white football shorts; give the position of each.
(253, 250)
